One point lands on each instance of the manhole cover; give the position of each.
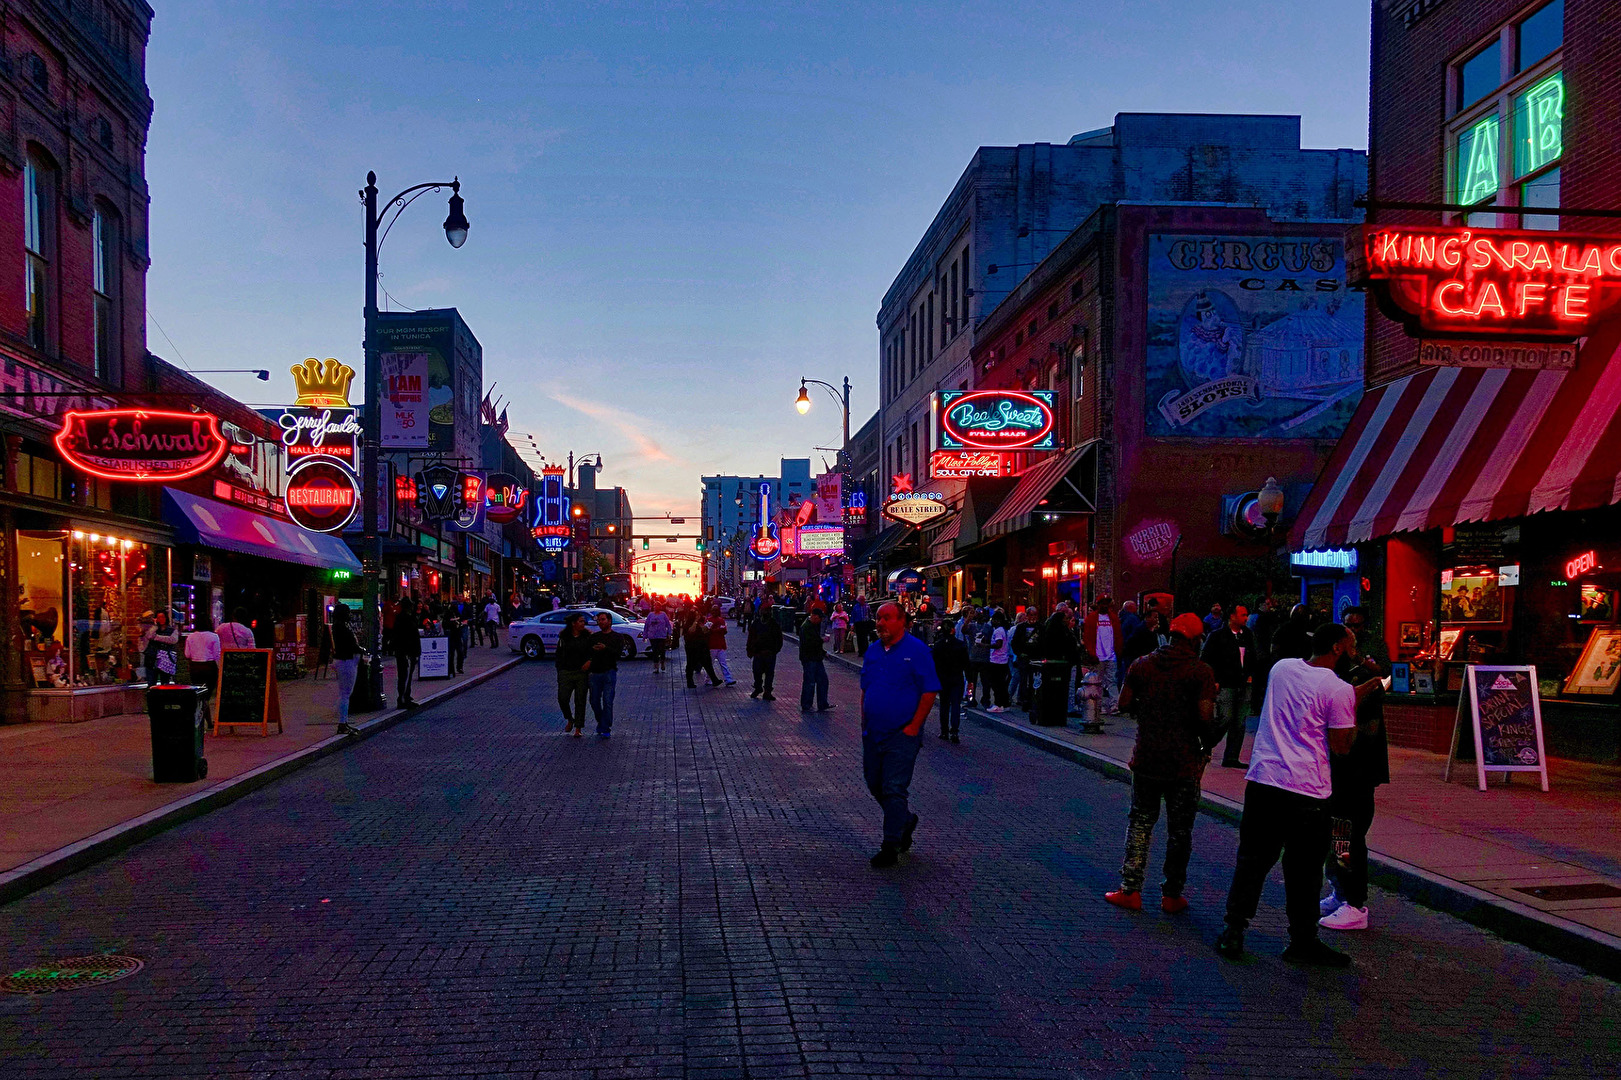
(1595, 890)
(73, 974)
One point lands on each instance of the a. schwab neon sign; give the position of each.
(1512, 282)
(996, 420)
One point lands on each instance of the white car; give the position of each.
(536, 636)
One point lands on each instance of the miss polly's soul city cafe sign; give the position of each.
(1492, 297)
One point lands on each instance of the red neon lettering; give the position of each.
(1387, 247)
(1449, 255)
(1574, 301)
(1527, 293)
(1581, 564)
(1490, 297)
(1613, 257)
(1519, 254)
(1424, 250)
(1440, 298)
(1540, 257)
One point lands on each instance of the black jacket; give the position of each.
(765, 635)
(1025, 636)
(605, 659)
(573, 652)
(1232, 656)
(1057, 640)
(811, 645)
(950, 660)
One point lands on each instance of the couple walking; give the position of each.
(588, 664)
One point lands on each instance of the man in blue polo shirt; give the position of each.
(898, 688)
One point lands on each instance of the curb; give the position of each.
(56, 865)
(1591, 950)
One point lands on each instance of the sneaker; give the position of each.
(827, 708)
(1346, 917)
(906, 837)
(578, 732)
(1329, 904)
(943, 735)
(604, 735)
(1316, 954)
(886, 857)
(1173, 905)
(768, 697)
(1230, 942)
(996, 708)
(1131, 901)
(955, 740)
(1233, 765)
(755, 695)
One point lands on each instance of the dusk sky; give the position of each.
(677, 209)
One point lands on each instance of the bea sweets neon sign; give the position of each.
(996, 420)
(1527, 283)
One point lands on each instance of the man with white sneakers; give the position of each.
(1355, 776)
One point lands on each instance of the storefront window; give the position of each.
(42, 595)
(116, 590)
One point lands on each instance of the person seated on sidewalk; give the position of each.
(1172, 693)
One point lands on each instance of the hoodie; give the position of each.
(1167, 687)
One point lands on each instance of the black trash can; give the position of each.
(1049, 704)
(177, 733)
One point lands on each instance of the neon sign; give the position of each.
(820, 540)
(141, 445)
(553, 537)
(958, 464)
(552, 503)
(766, 544)
(504, 499)
(322, 496)
(317, 433)
(996, 420)
(322, 385)
(1459, 280)
(915, 509)
(1581, 564)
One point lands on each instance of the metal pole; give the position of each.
(372, 541)
(847, 414)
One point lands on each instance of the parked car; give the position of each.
(536, 636)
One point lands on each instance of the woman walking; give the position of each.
(573, 680)
(345, 659)
(996, 664)
(656, 631)
(840, 622)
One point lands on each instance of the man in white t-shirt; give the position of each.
(1309, 713)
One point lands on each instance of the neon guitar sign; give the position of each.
(765, 546)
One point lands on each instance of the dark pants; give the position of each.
(814, 684)
(403, 666)
(972, 674)
(995, 689)
(206, 673)
(1350, 877)
(950, 705)
(572, 687)
(864, 632)
(656, 649)
(701, 662)
(458, 650)
(1232, 714)
(887, 762)
(1181, 798)
(603, 684)
(1024, 680)
(494, 631)
(1280, 822)
(765, 672)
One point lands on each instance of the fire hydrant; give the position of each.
(1090, 695)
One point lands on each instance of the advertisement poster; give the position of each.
(421, 345)
(830, 498)
(1251, 337)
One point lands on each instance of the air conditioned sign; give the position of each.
(996, 420)
(1524, 283)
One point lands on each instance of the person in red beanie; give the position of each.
(1172, 693)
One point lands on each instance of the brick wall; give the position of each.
(1419, 726)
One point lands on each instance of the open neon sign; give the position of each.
(1581, 564)
(1530, 283)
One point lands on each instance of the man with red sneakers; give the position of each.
(1172, 693)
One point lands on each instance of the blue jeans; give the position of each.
(602, 699)
(887, 762)
(950, 705)
(814, 684)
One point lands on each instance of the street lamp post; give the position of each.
(803, 402)
(372, 541)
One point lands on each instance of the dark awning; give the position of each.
(231, 528)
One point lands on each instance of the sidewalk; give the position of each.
(64, 784)
(1540, 868)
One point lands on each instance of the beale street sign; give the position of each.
(142, 445)
(1523, 284)
(915, 509)
(996, 420)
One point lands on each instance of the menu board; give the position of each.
(248, 695)
(1505, 712)
(435, 661)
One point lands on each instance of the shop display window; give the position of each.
(42, 595)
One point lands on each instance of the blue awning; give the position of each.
(215, 524)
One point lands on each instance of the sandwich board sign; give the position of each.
(1506, 714)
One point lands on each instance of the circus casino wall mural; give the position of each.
(1251, 337)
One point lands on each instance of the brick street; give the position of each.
(472, 894)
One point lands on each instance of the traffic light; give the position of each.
(700, 543)
(646, 543)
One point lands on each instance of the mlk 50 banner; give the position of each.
(1251, 336)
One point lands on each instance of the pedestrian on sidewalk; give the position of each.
(813, 659)
(236, 634)
(1025, 654)
(763, 644)
(573, 680)
(1130, 624)
(996, 663)
(492, 621)
(202, 648)
(695, 636)
(898, 688)
(407, 651)
(1172, 693)
(950, 666)
(1309, 713)
(1293, 638)
(717, 646)
(1102, 645)
(861, 622)
(974, 634)
(1232, 655)
(606, 646)
(345, 659)
(159, 641)
(839, 623)
(1355, 776)
(456, 645)
(657, 631)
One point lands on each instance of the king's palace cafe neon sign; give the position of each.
(1493, 281)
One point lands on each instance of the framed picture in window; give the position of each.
(1599, 669)
(1449, 642)
(1401, 678)
(1598, 604)
(1411, 636)
(1423, 682)
(1471, 596)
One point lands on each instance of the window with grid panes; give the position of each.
(1505, 141)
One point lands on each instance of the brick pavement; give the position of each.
(472, 894)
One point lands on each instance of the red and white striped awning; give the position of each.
(1450, 445)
